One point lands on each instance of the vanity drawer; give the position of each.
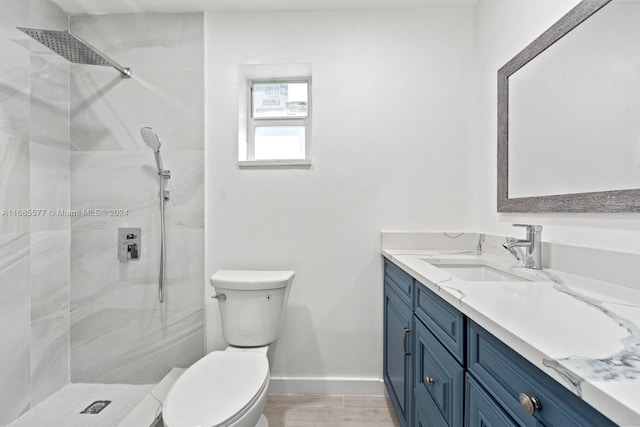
(438, 378)
(505, 374)
(446, 323)
(400, 281)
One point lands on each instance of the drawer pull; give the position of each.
(529, 404)
(404, 342)
(429, 381)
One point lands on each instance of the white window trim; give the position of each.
(271, 73)
(246, 164)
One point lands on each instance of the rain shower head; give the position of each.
(151, 139)
(73, 48)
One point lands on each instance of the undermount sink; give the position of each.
(479, 273)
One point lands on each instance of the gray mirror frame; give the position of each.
(601, 201)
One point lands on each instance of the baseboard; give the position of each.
(327, 385)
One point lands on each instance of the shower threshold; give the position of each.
(101, 405)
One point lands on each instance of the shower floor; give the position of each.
(64, 407)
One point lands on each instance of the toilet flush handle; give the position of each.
(221, 297)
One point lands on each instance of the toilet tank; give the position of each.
(252, 312)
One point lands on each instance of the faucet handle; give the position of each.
(529, 227)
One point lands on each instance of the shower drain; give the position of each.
(96, 407)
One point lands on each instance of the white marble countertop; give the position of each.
(584, 333)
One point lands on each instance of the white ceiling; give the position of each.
(74, 7)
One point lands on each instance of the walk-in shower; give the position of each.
(73, 48)
(151, 139)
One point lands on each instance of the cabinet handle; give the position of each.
(404, 342)
(529, 404)
(429, 381)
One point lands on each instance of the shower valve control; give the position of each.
(128, 243)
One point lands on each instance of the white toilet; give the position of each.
(229, 388)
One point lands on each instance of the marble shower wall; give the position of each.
(119, 330)
(34, 174)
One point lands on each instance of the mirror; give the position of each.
(569, 115)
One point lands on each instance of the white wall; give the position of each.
(504, 27)
(393, 104)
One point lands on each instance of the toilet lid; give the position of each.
(215, 389)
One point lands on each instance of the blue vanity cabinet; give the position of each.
(397, 341)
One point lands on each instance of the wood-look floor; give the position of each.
(315, 410)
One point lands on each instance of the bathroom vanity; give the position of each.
(475, 339)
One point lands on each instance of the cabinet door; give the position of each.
(438, 378)
(482, 410)
(397, 353)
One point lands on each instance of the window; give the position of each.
(276, 120)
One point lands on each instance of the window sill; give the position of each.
(275, 164)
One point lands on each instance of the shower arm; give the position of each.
(125, 72)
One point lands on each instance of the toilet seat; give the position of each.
(216, 390)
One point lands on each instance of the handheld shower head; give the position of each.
(151, 139)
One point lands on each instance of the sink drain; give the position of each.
(96, 407)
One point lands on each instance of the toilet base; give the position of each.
(262, 422)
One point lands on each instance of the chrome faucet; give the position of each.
(532, 244)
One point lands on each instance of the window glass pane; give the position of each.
(279, 100)
(279, 142)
